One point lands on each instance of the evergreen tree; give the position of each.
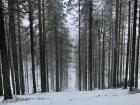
(133, 47)
(12, 32)
(32, 44)
(4, 57)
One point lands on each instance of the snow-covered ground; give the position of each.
(103, 97)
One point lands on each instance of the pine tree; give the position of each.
(90, 68)
(12, 32)
(116, 47)
(20, 54)
(133, 47)
(4, 57)
(137, 57)
(42, 50)
(79, 45)
(128, 49)
(32, 44)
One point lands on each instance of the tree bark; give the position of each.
(20, 56)
(79, 45)
(12, 32)
(133, 47)
(128, 45)
(42, 50)
(1, 84)
(90, 46)
(4, 58)
(32, 44)
(137, 57)
(56, 55)
(116, 47)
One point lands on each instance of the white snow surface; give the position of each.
(103, 97)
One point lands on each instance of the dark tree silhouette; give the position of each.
(4, 57)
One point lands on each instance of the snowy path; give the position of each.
(105, 97)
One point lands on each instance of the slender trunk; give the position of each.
(61, 64)
(1, 84)
(103, 63)
(128, 45)
(99, 73)
(79, 45)
(110, 48)
(42, 50)
(133, 47)
(12, 32)
(90, 46)
(119, 41)
(32, 44)
(20, 56)
(137, 57)
(116, 47)
(47, 63)
(56, 55)
(10, 58)
(85, 50)
(121, 58)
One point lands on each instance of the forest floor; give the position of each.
(98, 97)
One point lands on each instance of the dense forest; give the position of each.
(36, 45)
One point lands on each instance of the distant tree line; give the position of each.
(108, 45)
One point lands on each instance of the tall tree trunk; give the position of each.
(47, 63)
(12, 32)
(103, 62)
(32, 44)
(119, 41)
(44, 87)
(61, 63)
(110, 47)
(137, 57)
(90, 46)
(42, 50)
(44, 47)
(4, 58)
(10, 59)
(133, 47)
(79, 45)
(85, 50)
(122, 56)
(20, 55)
(99, 72)
(103, 54)
(130, 55)
(56, 55)
(128, 45)
(116, 47)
